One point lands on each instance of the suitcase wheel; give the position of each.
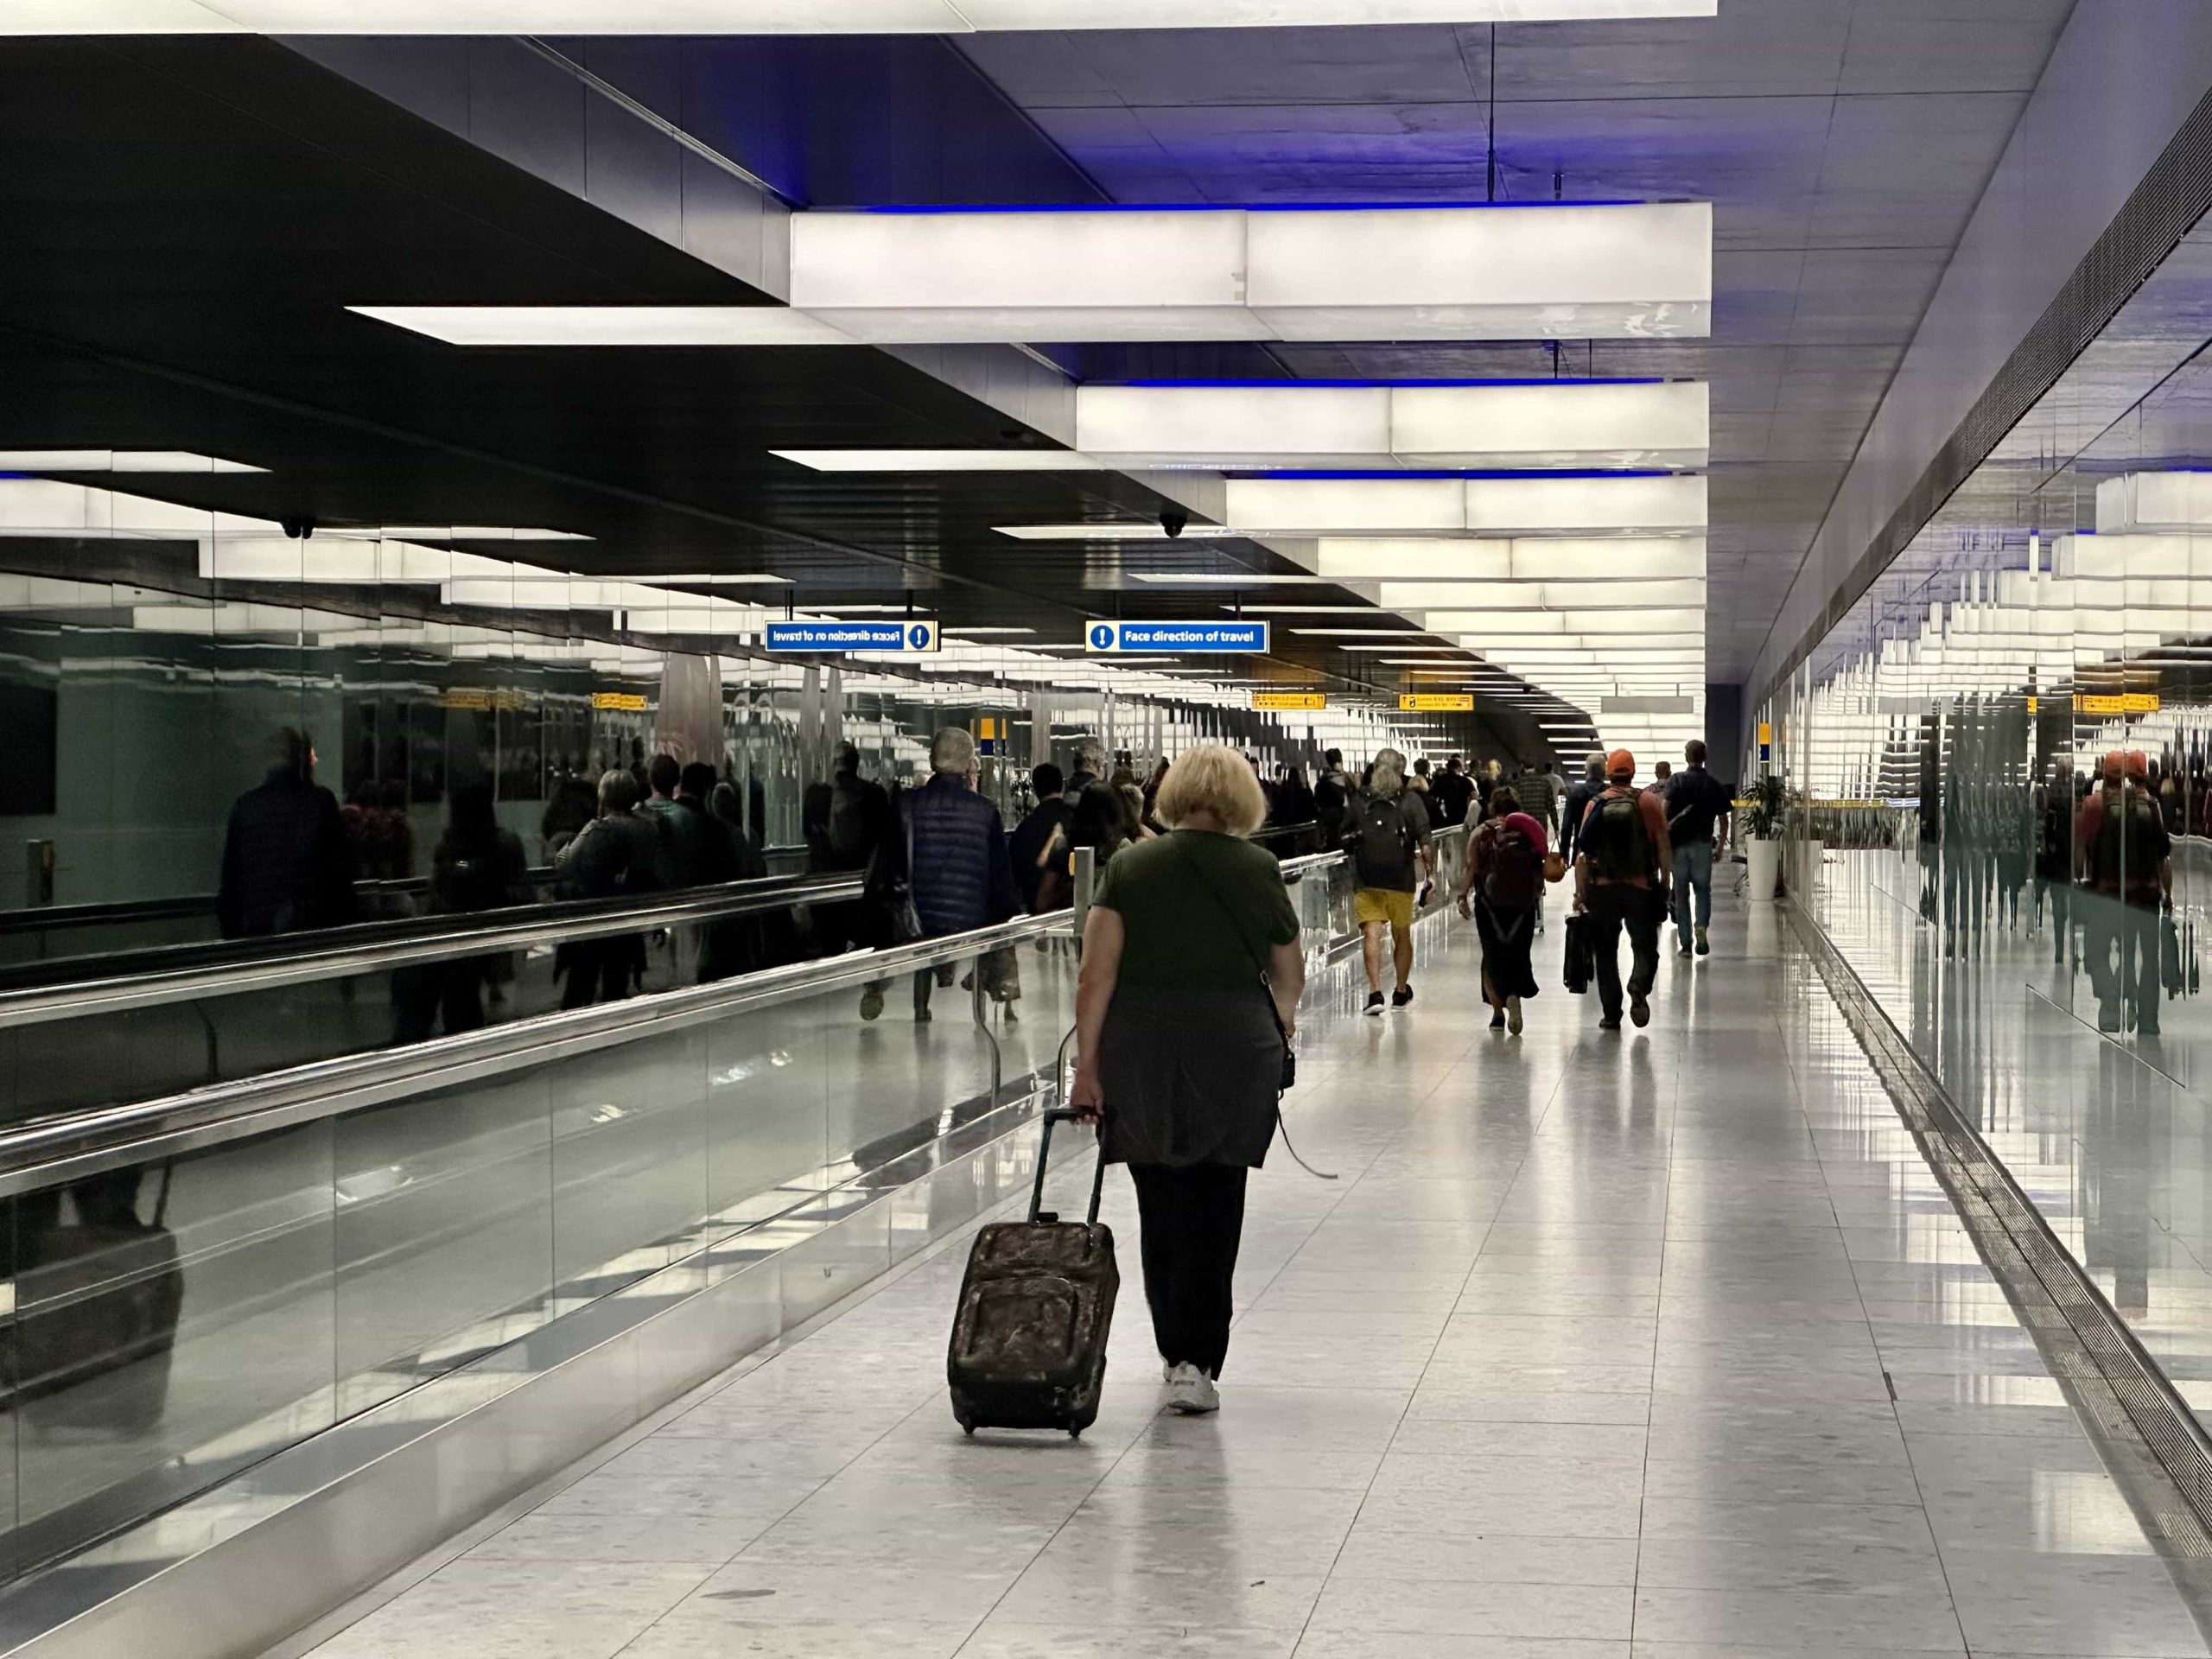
(1075, 1434)
(967, 1423)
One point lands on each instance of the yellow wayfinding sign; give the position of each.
(633, 702)
(2133, 702)
(1436, 702)
(1290, 700)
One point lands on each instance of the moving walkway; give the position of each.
(291, 1328)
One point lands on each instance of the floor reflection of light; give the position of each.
(2078, 1514)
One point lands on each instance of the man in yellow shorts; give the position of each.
(1390, 861)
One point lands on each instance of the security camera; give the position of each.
(1172, 519)
(298, 527)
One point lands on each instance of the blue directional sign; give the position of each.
(887, 633)
(1171, 638)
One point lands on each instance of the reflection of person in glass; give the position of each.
(2124, 855)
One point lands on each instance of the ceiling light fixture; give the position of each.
(1539, 270)
(609, 325)
(1617, 425)
(115, 460)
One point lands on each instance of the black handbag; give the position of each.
(892, 892)
(1581, 958)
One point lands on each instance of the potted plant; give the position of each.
(1763, 852)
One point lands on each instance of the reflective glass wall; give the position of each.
(142, 678)
(2018, 718)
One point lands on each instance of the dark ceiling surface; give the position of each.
(1844, 146)
(188, 218)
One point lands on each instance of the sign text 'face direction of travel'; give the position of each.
(1436, 702)
(1286, 699)
(1240, 638)
(911, 633)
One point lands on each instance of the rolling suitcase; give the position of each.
(1029, 1337)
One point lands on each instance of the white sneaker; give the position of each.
(1513, 1015)
(1190, 1392)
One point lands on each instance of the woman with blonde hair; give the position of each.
(1188, 995)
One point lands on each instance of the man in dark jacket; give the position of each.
(958, 874)
(1452, 790)
(287, 865)
(1587, 788)
(1034, 834)
(686, 836)
(844, 821)
(618, 853)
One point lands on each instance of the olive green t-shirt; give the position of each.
(1183, 898)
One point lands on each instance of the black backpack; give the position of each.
(1513, 878)
(1615, 838)
(849, 829)
(1384, 853)
(2123, 851)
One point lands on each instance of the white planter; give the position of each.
(1762, 862)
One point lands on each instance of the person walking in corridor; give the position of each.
(1500, 887)
(1697, 806)
(287, 865)
(949, 845)
(1622, 862)
(1586, 789)
(1186, 1002)
(1389, 863)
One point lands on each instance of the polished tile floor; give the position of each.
(1662, 1344)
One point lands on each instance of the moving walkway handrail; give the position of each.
(342, 953)
(158, 974)
(70, 1146)
(122, 913)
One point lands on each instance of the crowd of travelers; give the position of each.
(1192, 963)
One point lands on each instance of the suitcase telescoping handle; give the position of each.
(1045, 1139)
(1063, 1115)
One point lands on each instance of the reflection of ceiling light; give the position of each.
(978, 634)
(463, 533)
(115, 460)
(781, 16)
(1240, 579)
(608, 325)
(1149, 531)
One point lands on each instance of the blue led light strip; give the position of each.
(1215, 207)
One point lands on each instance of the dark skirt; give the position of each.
(1506, 937)
(1190, 1077)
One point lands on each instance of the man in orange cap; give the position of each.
(2124, 854)
(1621, 863)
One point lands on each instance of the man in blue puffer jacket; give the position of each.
(958, 871)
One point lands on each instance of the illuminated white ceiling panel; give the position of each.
(1474, 272)
(1455, 506)
(115, 460)
(780, 16)
(1540, 596)
(1523, 558)
(1594, 423)
(945, 460)
(2154, 501)
(608, 325)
